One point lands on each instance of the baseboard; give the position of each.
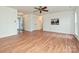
(58, 32)
(3, 36)
(76, 36)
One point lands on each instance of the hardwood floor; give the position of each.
(39, 42)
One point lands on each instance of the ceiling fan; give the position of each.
(41, 9)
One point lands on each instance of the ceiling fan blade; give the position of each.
(44, 7)
(45, 10)
(36, 8)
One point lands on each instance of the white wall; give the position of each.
(8, 17)
(66, 22)
(77, 22)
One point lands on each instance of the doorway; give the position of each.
(20, 24)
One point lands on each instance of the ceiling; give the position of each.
(51, 9)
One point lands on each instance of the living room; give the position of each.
(39, 29)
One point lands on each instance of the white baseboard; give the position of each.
(58, 32)
(3, 36)
(28, 30)
(76, 36)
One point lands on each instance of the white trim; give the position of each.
(8, 35)
(76, 36)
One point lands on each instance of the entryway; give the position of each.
(20, 24)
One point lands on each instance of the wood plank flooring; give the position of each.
(39, 42)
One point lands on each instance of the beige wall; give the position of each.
(32, 22)
(26, 23)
